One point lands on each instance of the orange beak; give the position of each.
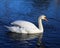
(45, 19)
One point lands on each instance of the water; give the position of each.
(30, 10)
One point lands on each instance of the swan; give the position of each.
(25, 27)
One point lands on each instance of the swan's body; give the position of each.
(26, 27)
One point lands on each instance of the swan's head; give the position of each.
(43, 17)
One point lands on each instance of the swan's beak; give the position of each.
(45, 19)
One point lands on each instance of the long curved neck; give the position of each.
(40, 25)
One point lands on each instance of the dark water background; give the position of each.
(30, 10)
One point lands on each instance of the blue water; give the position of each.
(30, 10)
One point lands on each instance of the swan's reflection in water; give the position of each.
(24, 36)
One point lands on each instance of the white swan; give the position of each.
(27, 27)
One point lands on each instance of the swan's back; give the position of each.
(28, 26)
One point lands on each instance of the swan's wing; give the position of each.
(28, 26)
(24, 24)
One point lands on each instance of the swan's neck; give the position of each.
(40, 25)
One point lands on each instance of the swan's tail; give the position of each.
(6, 26)
(12, 28)
(9, 28)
